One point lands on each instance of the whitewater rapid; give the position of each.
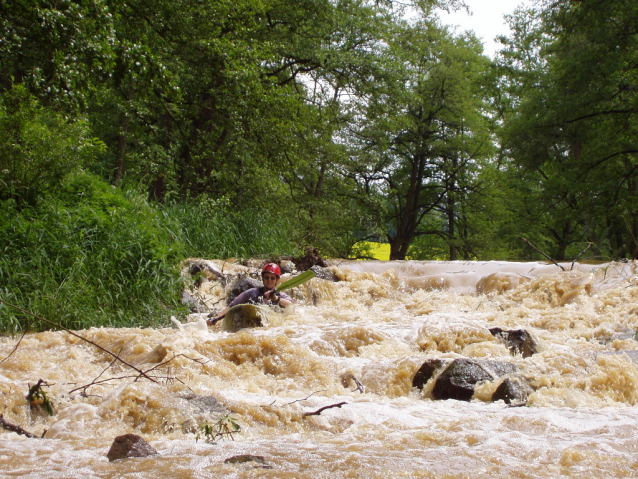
(378, 323)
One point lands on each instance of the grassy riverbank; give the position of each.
(94, 255)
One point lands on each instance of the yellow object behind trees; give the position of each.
(380, 251)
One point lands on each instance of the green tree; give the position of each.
(425, 137)
(571, 125)
(39, 147)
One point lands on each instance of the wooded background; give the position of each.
(166, 128)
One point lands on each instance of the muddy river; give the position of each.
(375, 326)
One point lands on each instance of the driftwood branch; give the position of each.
(15, 428)
(16, 346)
(320, 410)
(581, 253)
(98, 381)
(57, 325)
(541, 252)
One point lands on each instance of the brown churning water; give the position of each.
(377, 325)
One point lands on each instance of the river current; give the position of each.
(377, 324)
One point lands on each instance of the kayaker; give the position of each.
(270, 275)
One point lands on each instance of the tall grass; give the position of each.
(93, 255)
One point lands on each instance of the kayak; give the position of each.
(245, 316)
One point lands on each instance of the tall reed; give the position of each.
(93, 255)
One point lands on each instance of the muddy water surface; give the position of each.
(378, 324)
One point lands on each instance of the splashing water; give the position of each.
(373, 327)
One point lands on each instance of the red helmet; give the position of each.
(272, 268)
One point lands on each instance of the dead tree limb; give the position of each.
(57, 325)
(320, 410)
(581, 253)
(16, 347)
(15, 428)
(98, 381)
(541, 252)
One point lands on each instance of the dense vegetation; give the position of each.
(135, 134)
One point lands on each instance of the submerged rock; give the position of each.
(130, 445)
(243, 458)
(518, 341)
(462, 375)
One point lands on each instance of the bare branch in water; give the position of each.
(16, 347)
(581, 253)
(15, 428)
(307, 397)
(57, 325)
(320, 410)
(168, 378)
(541, 252)
(359, 387)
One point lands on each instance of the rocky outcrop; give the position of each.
(192, 303)
(518, 341)
(130, 445)
(324, 273)
(459, 377)
(202, 269)
(457, 381)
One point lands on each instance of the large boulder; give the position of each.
(458, 379)
(518, 341)
(130, 445)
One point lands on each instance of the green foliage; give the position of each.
(226, 426)
(39, 147)
(38, 399)
(96, 255)
(570, 122)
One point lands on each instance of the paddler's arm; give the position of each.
(219, 317)
(241, 299)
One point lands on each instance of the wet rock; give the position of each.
(427, 370)
(241, 285)
(192, 303)
(130, 445)
(243, 458)
(202, 404)
(512, 390)
(324, 273)
(518, 341)
(460, 377)
(287, 266)
(202, 270)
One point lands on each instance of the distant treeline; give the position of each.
(149, 130)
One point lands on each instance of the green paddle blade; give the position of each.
(297, 280)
